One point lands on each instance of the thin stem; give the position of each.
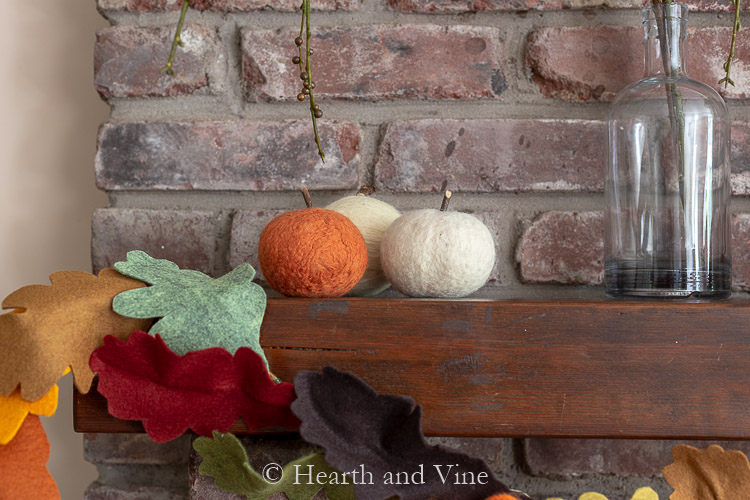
(304, 65)
(365, 190)
(446, 200)
(672, 70)
(177, 40)
(728, 64)
(308, 199)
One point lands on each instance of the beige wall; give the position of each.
(49, 115)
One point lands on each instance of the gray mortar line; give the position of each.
(526, 205)
(523, 204)
(367, 112)
(371, 113)
(267, 19)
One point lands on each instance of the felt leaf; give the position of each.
(202, 390)
(645, 493)
(225, 460)
(197, 312)
(707, 474)
(14, 409)
(59, 326)
(23, 465)
(357, 428)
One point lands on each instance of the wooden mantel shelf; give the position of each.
(669, 370)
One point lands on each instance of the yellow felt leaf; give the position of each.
(53, 327)
(14, 409)
(645, 493)
(707, 474)
(592, 496)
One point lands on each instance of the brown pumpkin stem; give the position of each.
(446, 200)
(308, 199)
(366, 190)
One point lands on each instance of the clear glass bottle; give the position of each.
(667, 186)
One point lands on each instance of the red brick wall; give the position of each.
(504, 99)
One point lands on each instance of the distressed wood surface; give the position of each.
(517, 368)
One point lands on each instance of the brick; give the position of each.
(584, 64)
(563, 247)
(246, 229)
(537, 155)
(127, 62)
(740, 158)
(134, 449)
(379, 62)
(486, 449)
(184, 237)
(493, 222)
(568, 247)
(115, 6)
(462, 6)
(741, 252)
(107, 492)
(621, 457)
(229, 155)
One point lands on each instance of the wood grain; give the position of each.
(671, 370)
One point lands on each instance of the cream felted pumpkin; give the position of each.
(372, 217)
(432, 253)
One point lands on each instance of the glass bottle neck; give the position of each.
(665, 29)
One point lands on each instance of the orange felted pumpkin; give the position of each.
(312, 252)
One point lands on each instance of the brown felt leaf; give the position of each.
(710, 474)
(53, 327)
(23, 465)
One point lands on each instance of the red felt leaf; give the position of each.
(203, 390)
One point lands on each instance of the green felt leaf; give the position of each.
(225, 459)
(197, 312)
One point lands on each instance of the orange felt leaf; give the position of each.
(53, 327)
(710, 474)
(23, 465)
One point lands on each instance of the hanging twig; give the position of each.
(737, 26)
(177, 41)
(306, 73)
(303, 61)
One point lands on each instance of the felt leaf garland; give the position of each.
(14, 409)
(23, 465)
(202, 390)
(57, 326)
(707, 474)
(357, 427)
(225, 459)
(197, 312)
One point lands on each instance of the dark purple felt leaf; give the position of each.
(383, 435)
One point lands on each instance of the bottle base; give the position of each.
(669, 294)
(628, 278)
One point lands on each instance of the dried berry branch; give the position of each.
(737, 26)
(304, 62)
(305, 72)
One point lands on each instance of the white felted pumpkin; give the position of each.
(431, 253)
(372, 217)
